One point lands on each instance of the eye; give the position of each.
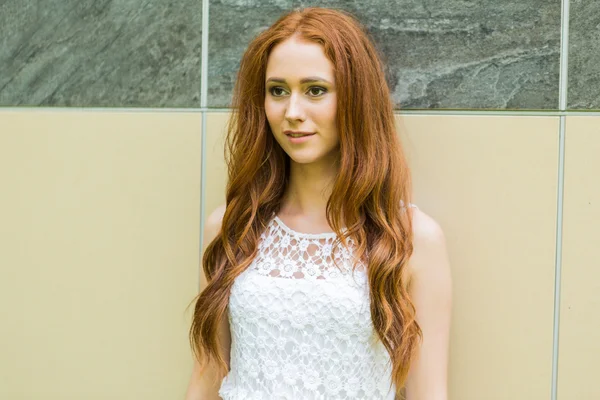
(277, 91)
(316, 91)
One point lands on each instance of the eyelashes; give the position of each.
(313, 91)
(274, 89)
(322, 89)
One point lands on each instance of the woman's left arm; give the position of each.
(431, 292)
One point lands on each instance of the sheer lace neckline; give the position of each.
(322, 235)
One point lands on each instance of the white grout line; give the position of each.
(558, 256)
(203, 109)
(101, 110)
(509, 113)
(562, 106)
(563, 87)
(499, 113)
(504, 113)
(202, 191)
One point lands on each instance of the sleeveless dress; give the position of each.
(301, 327)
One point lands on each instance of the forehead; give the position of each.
(296, 58)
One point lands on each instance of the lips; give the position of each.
(298, 134)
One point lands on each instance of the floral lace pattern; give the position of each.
(301, 327)
(289, 254)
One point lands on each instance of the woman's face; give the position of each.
(301, 97)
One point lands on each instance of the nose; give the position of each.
(294, 111)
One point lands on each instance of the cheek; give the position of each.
(327, 114)
(272, 113)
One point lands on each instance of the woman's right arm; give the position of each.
(205, 385)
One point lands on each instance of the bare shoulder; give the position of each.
(429, 245)
(426, 230)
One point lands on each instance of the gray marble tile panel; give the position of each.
(584, 55)
(451, 54)
(100, 53)
(233, 24)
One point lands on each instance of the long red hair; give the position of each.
(372, 183)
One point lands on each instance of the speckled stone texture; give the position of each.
(100, 53)
(584, 55)
(451, 54)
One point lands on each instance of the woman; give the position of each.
(321, 283)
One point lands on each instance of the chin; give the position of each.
(309, 157)
(303, 160)
(303, 157)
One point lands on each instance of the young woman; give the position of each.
(323, 281)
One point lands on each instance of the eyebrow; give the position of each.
(310, 79)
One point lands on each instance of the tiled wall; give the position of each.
(484, 54)
(584, 54)
(461, 55)
(102, 207)
(100, 53)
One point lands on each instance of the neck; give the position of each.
(309, 189)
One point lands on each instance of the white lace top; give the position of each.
(300, 328)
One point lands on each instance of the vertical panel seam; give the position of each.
(564, 57)
(558, 256)
(203, 103)
(202, 191)
(562, 106)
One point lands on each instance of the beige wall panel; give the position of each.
(491, 182)
(216, 171)
(100, 241)
(579, 347)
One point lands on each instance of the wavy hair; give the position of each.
(372, 184)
